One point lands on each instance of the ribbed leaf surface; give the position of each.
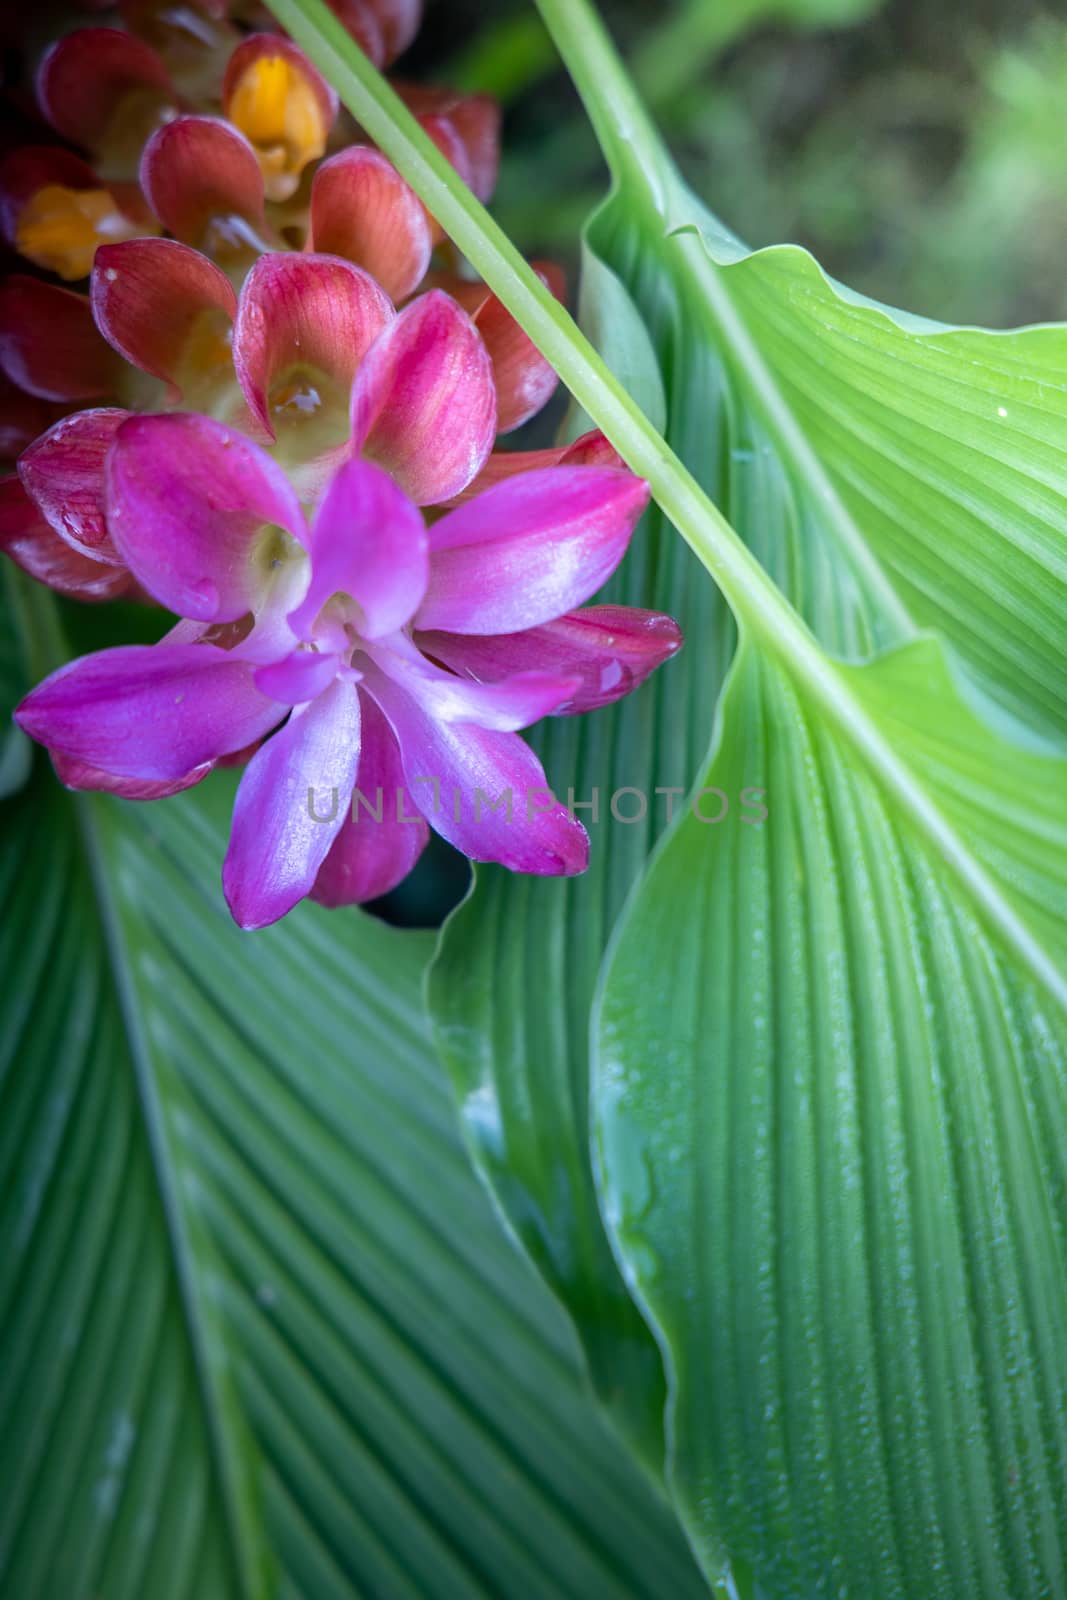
(514, 981)
(833, 1132)
(261, 1333)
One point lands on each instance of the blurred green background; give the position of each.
(919, 150)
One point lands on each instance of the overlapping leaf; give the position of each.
(514, 981)
(832, 1120)
(832, 1113)
(261, 1333)
(829, 1077)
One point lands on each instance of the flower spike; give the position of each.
(329, 637)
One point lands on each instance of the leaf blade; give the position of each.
(839, 1232)
(406, 1400)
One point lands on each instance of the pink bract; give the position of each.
(353, 653)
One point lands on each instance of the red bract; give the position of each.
(363, 210)
(166, 308)
(329, 638)
(49, 344)
(32, 544)
(55, 211)
(105, 90)
(204, 183)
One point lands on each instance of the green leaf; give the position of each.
(260, 1333)
(831, 1116)
(923, 1448)
(514, 980)
(833, 1136)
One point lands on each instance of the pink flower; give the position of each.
(320, 367)
(379, 654)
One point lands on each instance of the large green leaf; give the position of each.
(833, 1125)
(260, 1332)
(835, 465)
(832, 1115)
(513, 984)
(830, 1068)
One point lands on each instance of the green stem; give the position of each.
(387, 120)
(755, 600)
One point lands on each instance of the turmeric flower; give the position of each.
(371, 652)
(370, 665)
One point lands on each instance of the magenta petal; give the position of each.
(76, 775)
(510, 703)
(456, 772)
(367, 541)
(307, 312)
(151, 712)
(383, 834)
(423, 403)
(49, 344)
(362, 209)
(298, 677)
(529, 549)
(610, 650)
(63, 470)
(194, 509)
(152, 298)
(200, 170)
(34, 546)
(290, 807)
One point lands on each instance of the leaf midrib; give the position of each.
(754, 598)
(778, 418)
